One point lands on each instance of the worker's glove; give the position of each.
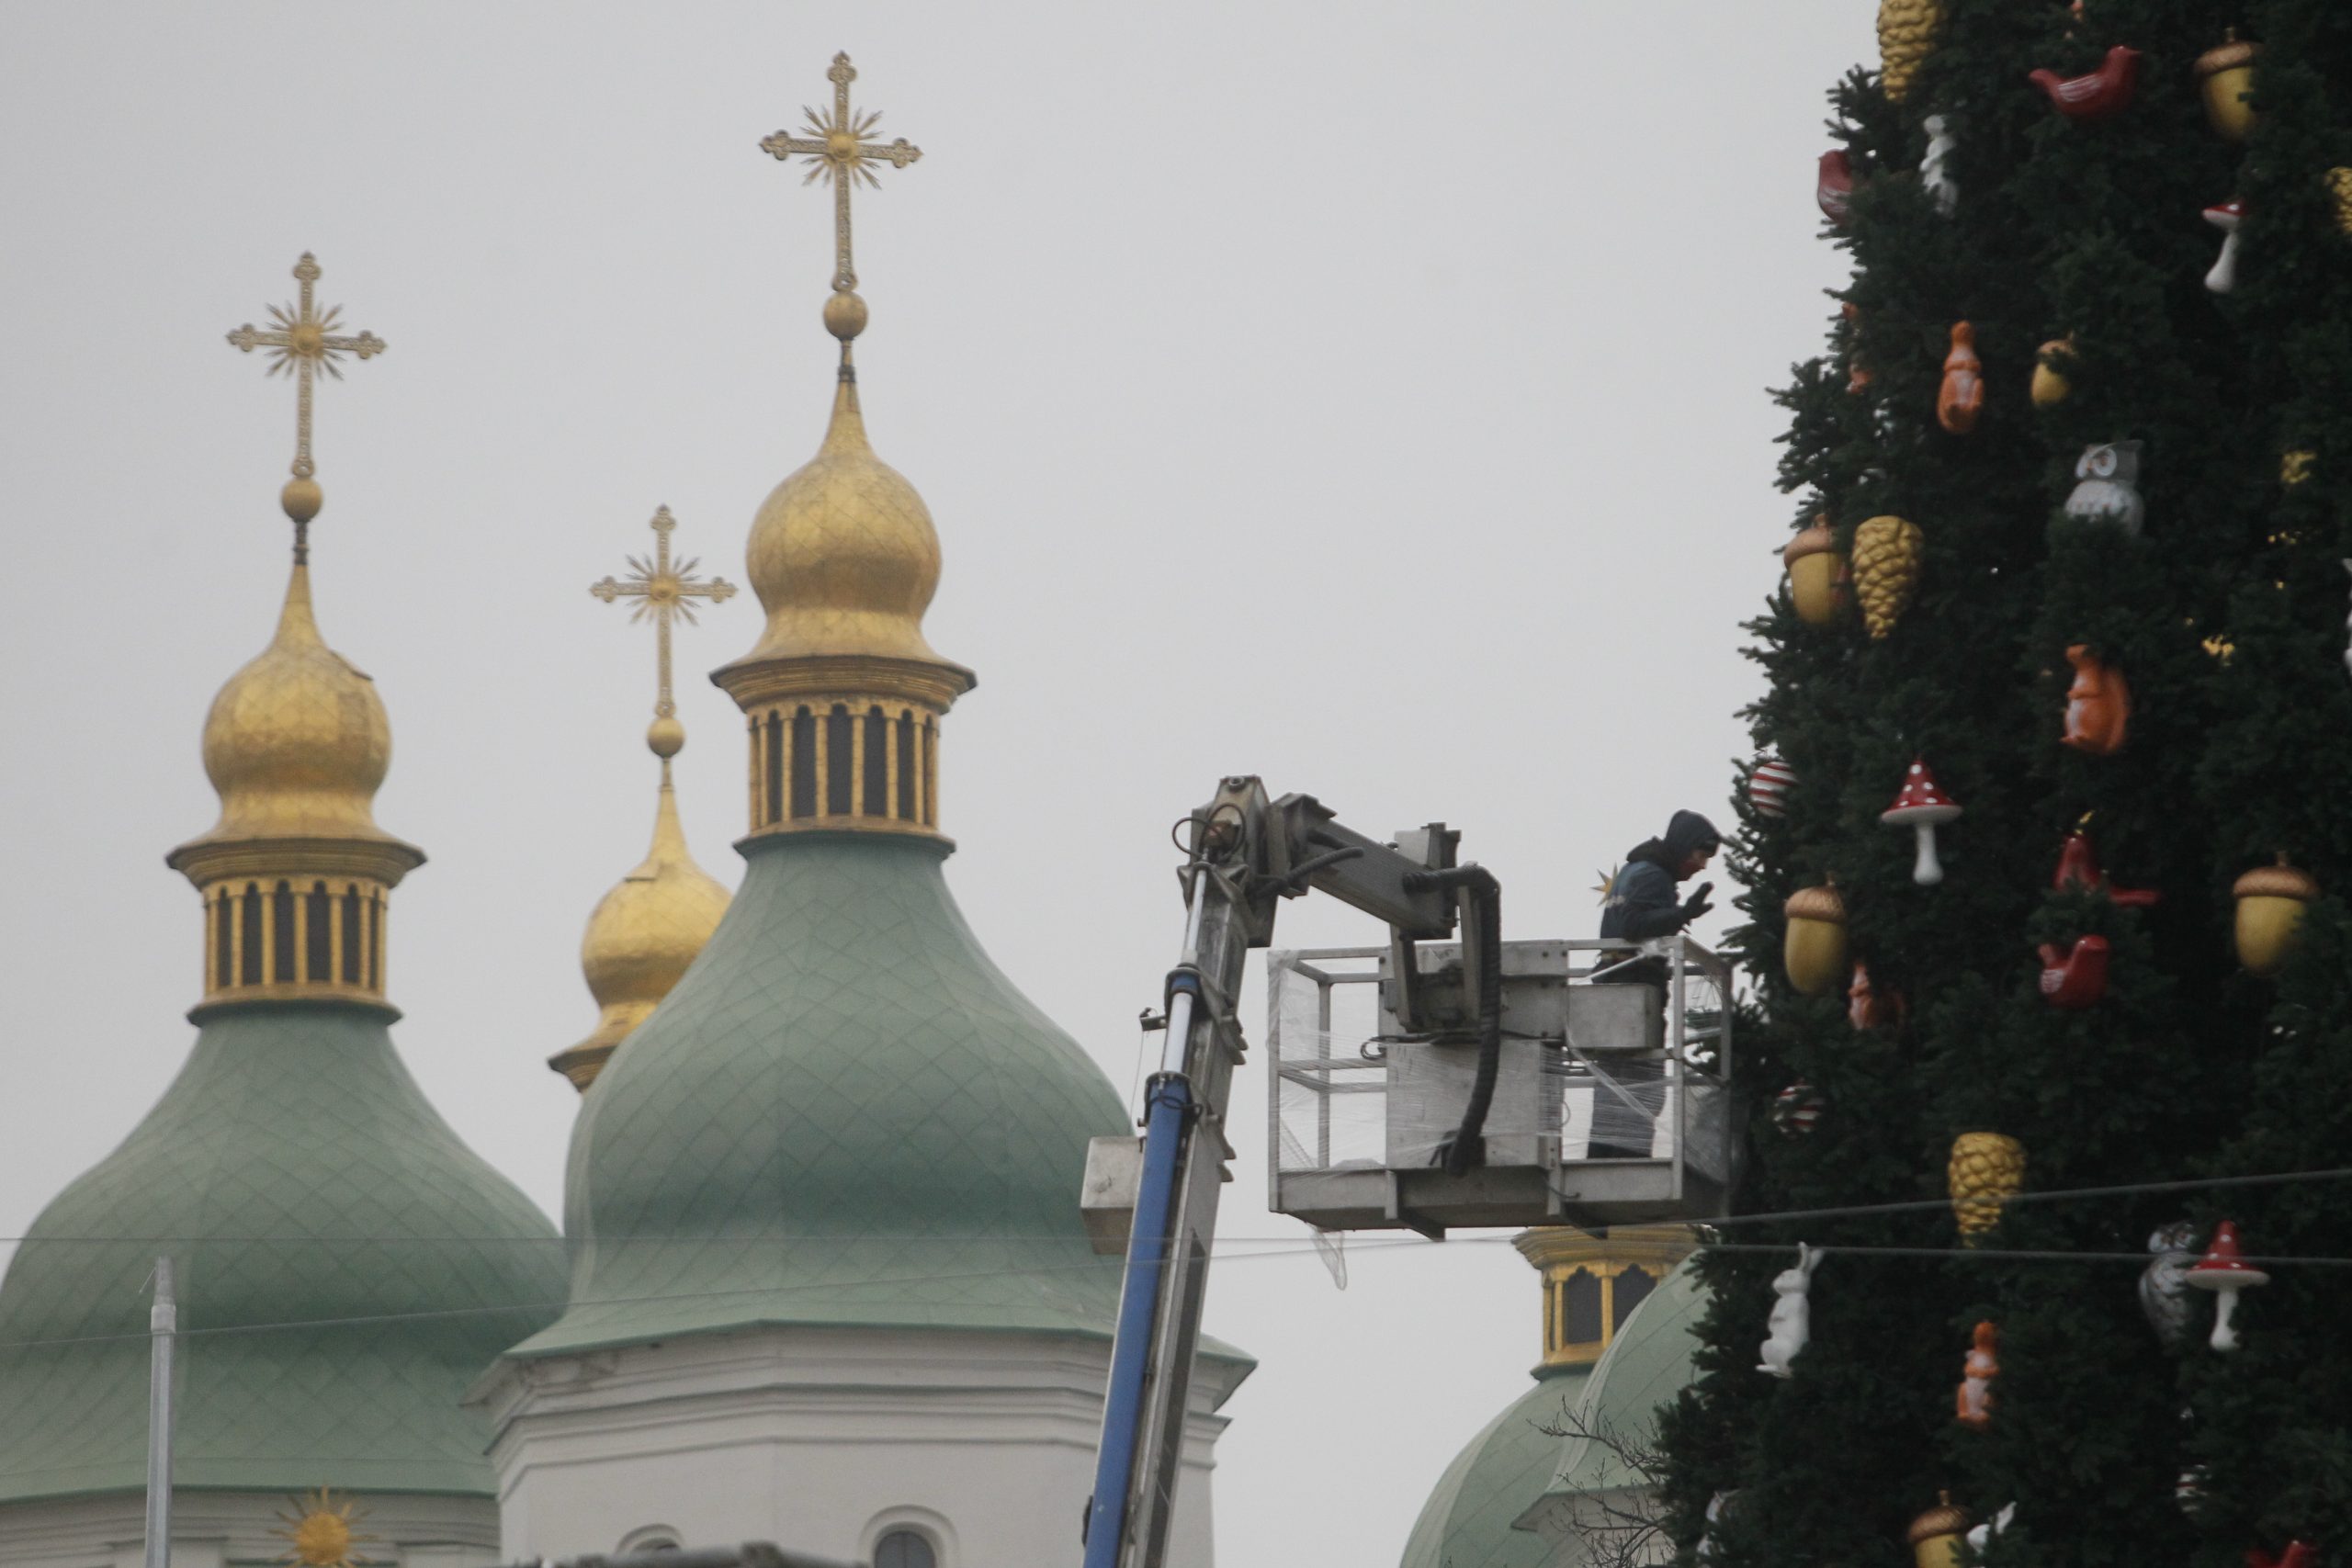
(1699, 903)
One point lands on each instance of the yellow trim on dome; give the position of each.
(1561, 1253)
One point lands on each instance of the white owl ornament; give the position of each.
(2106, 486)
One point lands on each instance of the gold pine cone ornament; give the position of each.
(1814, 949)
(1887, 552)
(1985, 1167)
(1906, 35)
(2271, 900)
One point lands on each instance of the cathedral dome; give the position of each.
(844, 1114)
(297, 742)
(1468, 1521)
(643, 936)
(843, 553)
(345, 1266)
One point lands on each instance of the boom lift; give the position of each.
(1424, 1143)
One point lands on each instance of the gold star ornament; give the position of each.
(322, 1532)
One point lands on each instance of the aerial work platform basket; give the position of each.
(1609, 1103)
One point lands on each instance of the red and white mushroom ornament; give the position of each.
(1922, 807)
(2225, 1270)
(2225, 216)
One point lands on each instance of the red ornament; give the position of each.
(2078, 868)
(1767, 787)
(2104, 93)
(2099, 705)
(2074, 977)
(1962, 397)
(2299, 1554)
(1922, 806)
(1833, 185)
(1797, 1108)
(2223, 1270)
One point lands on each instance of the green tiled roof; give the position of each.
(1466, 1523)
(844, 1114)
(318, 1184)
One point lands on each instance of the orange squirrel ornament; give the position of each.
(1962, 397)
(1975, 1400)
(2099, 705)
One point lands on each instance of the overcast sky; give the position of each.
(1371, 397)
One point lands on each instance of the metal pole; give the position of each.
(163, 1327)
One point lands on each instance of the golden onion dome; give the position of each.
(842, 554)
(642, 938)
(297, 742)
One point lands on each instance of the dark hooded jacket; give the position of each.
(1642, 902)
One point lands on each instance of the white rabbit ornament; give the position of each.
(1792, 1322)
(1934, 173)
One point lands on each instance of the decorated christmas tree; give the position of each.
(2049, 831)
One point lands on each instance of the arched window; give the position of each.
(351, 934)
(804, 764)
(225, 939)
(773, 778)
(249, 936)
(838, 802)
(906, 766)
(1631, 1289)
(318, 933)
(904, 1548)
(875, 786)
(1580, 1308)
(281, 934)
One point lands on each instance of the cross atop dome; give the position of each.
(839, 154)
(306, 341)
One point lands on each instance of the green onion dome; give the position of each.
(346, 1268)
(844, 1114)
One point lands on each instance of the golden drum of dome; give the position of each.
(842, 554)
(643, 936)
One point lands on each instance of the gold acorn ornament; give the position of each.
(1935, 1536)
(1819, 576)
(1813, 951)
(1886, 571)
(2271, 900)
(1985, 1167)
(1906, 36)
(2052, 362)
(2225, 75)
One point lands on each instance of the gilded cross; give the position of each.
(306, 341)
(664, 592)
(838, 150)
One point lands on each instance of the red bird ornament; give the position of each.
(2074, 978)
(1962, 397)
(2102, 95)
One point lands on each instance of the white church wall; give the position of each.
(823, 1439)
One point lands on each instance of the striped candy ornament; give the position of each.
(1796, 1108)
(1769, 786)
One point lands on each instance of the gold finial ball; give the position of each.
(301, 499)
(667, 737)
(845, 314)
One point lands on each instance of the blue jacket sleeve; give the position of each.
(1642, 905)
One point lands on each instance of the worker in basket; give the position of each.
(1642, 902)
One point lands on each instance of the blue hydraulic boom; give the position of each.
(1245, 853)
